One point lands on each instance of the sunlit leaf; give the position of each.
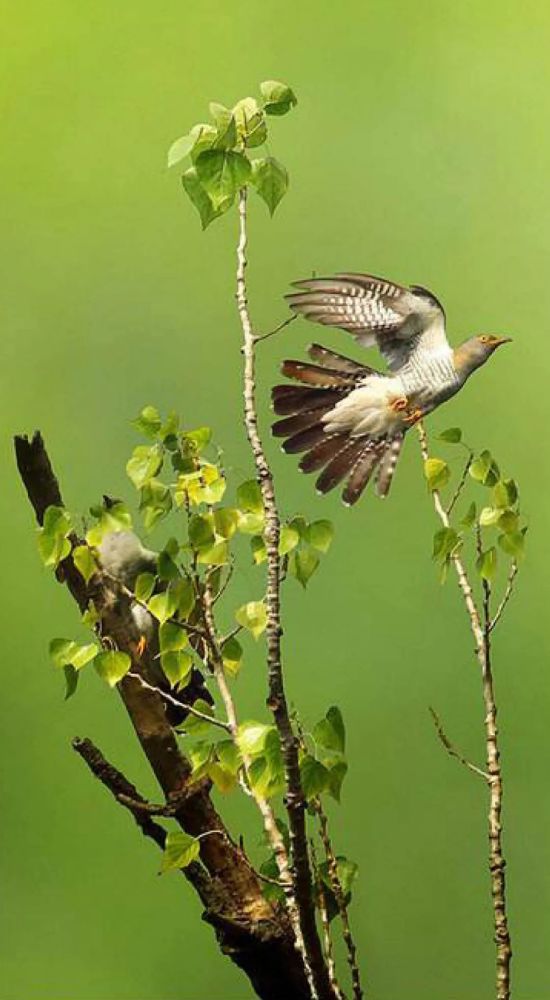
(84, 561)
(437, 473)
(180, 149)
(112, 666)
(145, 462)
(278, 97)
(486, 564)
(177, 666)
(452, 435)
(253, 616)
(270, 178)
(320, 534)
(232, 655)
(180, 850)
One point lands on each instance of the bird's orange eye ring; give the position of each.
(485, 339)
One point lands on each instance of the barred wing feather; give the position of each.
(399, 320)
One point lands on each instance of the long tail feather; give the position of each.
(323, 452)
(387, 465)
(289, 399)
(341, 465)
(323, 378)
(362, 472)
(299, 422)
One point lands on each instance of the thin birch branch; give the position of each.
(277, 702)
(336, 886)
(506, 596)
(180, 704)
(461, 484)
(481, 629)
(325, 924)
(265, 336)
(451, 750)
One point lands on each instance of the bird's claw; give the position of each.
(141, 646)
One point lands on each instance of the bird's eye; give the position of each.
(485, 340)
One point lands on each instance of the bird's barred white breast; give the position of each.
(366, 410)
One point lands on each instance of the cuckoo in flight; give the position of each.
(349, 419)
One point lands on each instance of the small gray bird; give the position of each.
(349, 419)
(124, 557)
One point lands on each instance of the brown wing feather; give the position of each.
(288, 399)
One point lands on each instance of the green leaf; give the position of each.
(446, 541)
(145, 462)
(278, 97)
(66, 652)
(148, 421)
(184, 595)
(452, 435)
(320, 535)
(259, 551)
(205, 136)
(253, 616)
(469, 517)
(180, 149)
(250, 120)
(314, 776)
(71, 680)
(508, 522)
(229, 755)
(270, 178)
(251, 523)
(337, 773)
(155, 503)
(167, 568)
(172, 638)
(437, 473)
(114, 518)
(198, 727)
(199, 197)
(199, 438)
(486, 564)
(489, 516)
(214, 555)
(249, 497)
(84, 561)
(485, 470)
(513, 543)
(288, 540)
(162, 606)
(201, 531)
(53, 541)
(505, 493)
(222, 173)
(347, 873)
(225, 521)
(251, 737)
(144, 586)
(177, 666)
(330, 733)
(226, 127)
(303, 563)
(90, 616)
(180, 850)
(232, 655)
(112, 666)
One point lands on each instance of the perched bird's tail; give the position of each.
(340, 455)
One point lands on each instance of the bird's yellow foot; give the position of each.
(399, 404)
(141, 646)
(413, 417)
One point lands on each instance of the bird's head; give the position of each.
(473, 353)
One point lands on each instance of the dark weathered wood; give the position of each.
(254, 933)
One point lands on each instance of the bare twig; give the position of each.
(332, 865)
(265, 336)
(451, 750)
(506, 596)
(277, 702)
(179, 704)
(461, 484)
(481, 629)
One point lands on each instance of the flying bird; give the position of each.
(348, 418)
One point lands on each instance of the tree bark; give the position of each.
(254, 933)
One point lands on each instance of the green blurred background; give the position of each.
(420, 149)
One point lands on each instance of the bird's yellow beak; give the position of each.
(497, 341)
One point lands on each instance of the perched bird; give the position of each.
(124, 557)
(349, 419)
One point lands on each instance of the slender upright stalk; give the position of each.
(336, 886)
(325, 924)
(274, 835)
(481, 626)
(277, 702)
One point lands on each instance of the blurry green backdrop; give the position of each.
(420, 149)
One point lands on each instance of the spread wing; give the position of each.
(399, 320)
